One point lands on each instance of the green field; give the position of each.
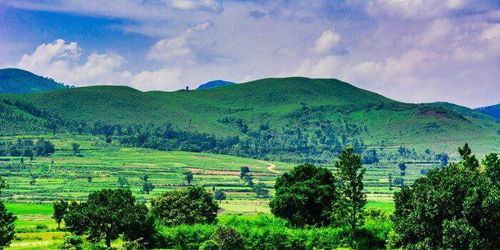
(64, 175)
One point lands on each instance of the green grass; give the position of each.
(438, 127)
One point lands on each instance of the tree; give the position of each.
(260, 190)
(219, 195)
(304, 196)
(6, 222)
(189, 177)
(492, 163)
(106, 214)
(44, 148)
(402, 169)
(147, 187)
(60, 210)
(353, 199)
(185, 206)
(76, 148)
(244, 171)
(453, 207)
(123, 182)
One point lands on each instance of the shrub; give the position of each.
(228, 238)
(71, 242)
(210, 245)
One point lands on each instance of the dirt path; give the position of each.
(271, 167)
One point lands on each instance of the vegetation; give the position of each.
(106, 215)
(185, 206)
(6, 222)
(305, 195)
(454, 207)
(20, 81)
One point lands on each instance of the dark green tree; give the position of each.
(76, 148)
(260, 190)
(44, 148)
(244, 171)
(189, 177)
(353, 200)
(185, 206)
(453, 207)
(492, 164)
(304, 196)
(6, 222)
(123, 182)
(147, 187)
(60, 210)
(219, 195)
(106, 215)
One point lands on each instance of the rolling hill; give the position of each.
(21, 81)
(493, 111)
(306, 115)
(215, 84)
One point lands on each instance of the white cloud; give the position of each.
(326, 41)
(61, 61)
(177, 47)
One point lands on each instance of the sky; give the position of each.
(408, 50)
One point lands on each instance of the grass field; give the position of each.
(65, 175)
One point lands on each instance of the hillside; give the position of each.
(285, 117)
(215, 84)
(21, 81)
(493, 111)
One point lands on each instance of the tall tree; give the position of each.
(6, 222)
(106, 214)
(189, 177)
(60, 210)
(351, 172)
(304, 196)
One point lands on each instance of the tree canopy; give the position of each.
(453, 207)
(185, 206)
(305, 195)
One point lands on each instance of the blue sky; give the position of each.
(408, 50)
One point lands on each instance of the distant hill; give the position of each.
(21, 81)
(215, 84)
(284, 117)
(493, 111)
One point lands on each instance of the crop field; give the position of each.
(34, 184)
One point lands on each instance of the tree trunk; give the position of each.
(59, 225)
(108, 242)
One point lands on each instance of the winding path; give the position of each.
(271, 167)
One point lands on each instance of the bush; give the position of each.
(71, 242)
(210, 245)
(228, 238)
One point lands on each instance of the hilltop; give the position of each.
(215, 84)
(288, 117)
(21, 81)
(493, 111)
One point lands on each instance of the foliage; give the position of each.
(228, 238)
(304, 196)
(147, 187)
(185, 206)
(189, 177)
(219, 195)
(107, 214)
(44, 148)
(6, 222)
(454, 207)
(350, 207)
(60, 210)
(209, 245)
(123, 182)
(71, 242)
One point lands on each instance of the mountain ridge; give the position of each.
(14, 80)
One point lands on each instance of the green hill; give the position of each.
(282, 117)
(214, 84)
(493, 111)
(21, 81)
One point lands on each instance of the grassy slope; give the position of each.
(493, 111)
(271, 101)
(20, 81)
